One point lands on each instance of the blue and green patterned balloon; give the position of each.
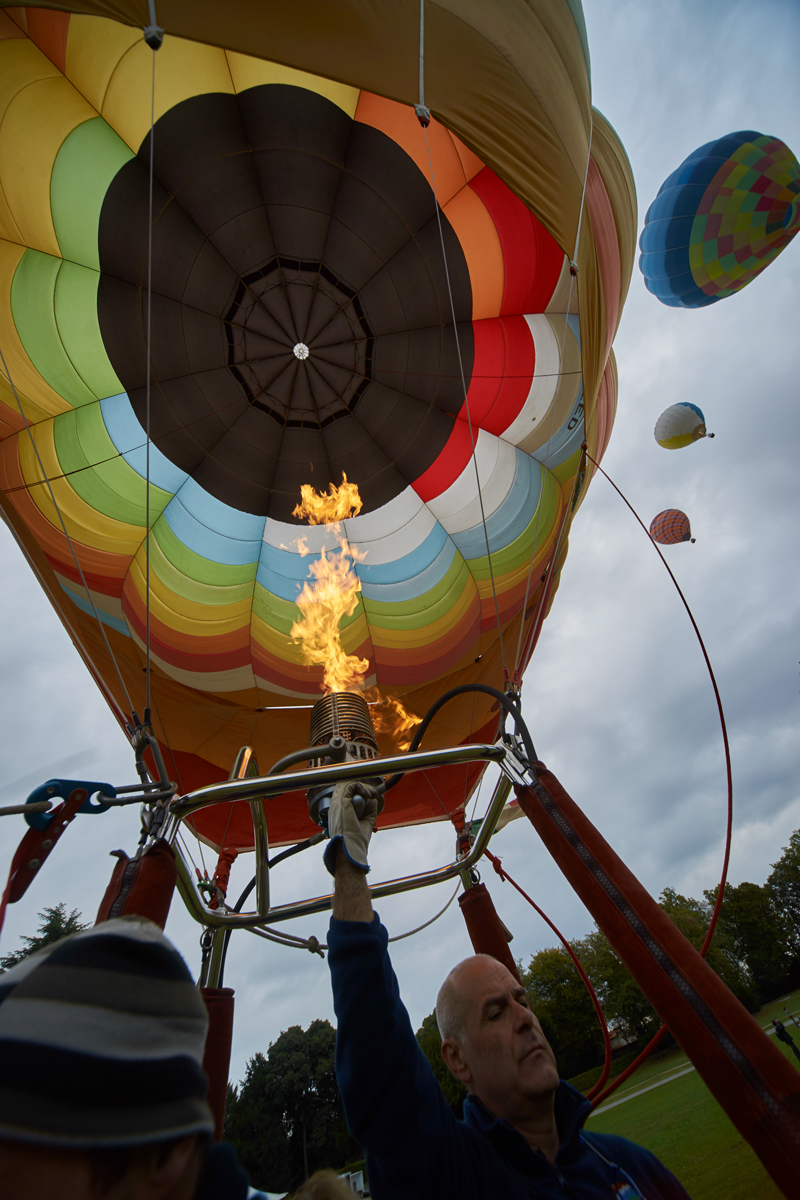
(720, 219)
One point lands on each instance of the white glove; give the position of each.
(351, 820)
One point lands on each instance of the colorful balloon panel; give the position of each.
(679, 426)
(718, 220)
(289, 211)
(670, 527)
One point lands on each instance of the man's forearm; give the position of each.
(351, 898)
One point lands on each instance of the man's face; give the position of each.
(159, 1171)
(41, 1172)
(509, 1063)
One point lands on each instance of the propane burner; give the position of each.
(344, 715)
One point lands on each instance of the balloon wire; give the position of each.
(422, 53)
(60, 516)
(729, 776)
(176, 428)
(149, 371)
(535, 626)
(466, 403)
(572, 277)
(398, 937)
(496, 863)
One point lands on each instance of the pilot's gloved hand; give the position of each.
(351, 820)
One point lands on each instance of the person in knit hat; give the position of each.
(102, 1090)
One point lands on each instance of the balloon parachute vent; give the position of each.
(345, 716)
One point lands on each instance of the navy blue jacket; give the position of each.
(416, 1148)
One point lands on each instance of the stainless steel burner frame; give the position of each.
(505, 754)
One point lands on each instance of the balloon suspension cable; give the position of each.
(496, 863)
(421, 109)
(313, 944)
(59, 514)
(573, 275)
(151, 37)
(466, 397)
(278, 935)
(399, 936)
(729, 777)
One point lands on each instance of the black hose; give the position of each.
(273, 862)
(509, 705)
(325, 750)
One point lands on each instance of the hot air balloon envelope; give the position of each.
(302, 330)
(720, 219)
(671, 526)
(680, 425)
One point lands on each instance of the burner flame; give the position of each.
(330, 594)
(391, 718)
(331, 507)
(332, 591)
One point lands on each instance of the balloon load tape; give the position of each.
(342, 715)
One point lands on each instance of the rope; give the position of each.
(316, 947)
(185, 845)
(149, 369)
(728, 772)
(573, 273)
(312, 944)
(100, 462)
(422, 54)
(419, 928)
(586, 981)
(466, 404)
(436, 794)
(65, 531)
(190, 821)
(544, 596)
(424, 117)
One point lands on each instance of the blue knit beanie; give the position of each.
(101, 1041)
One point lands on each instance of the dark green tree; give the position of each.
(564, 1009)
(286, 1119)
(693, 917)
(430, 1042)
(254, 1126)
(754, 928)
(625, 1006)
(783, 885)
(54, 924)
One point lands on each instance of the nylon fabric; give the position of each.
(292, 206)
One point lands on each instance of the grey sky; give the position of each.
(617, 697)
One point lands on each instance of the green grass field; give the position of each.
(682, 1123)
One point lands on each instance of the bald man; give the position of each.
(522, 1132)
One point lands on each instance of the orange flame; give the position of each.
(332, 591)
(330, 594)
(391, 717)
(331, 507)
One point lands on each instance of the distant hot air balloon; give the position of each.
(680, 425)
(720, 219)
(671, 526)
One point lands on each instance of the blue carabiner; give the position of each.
(61, 789)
